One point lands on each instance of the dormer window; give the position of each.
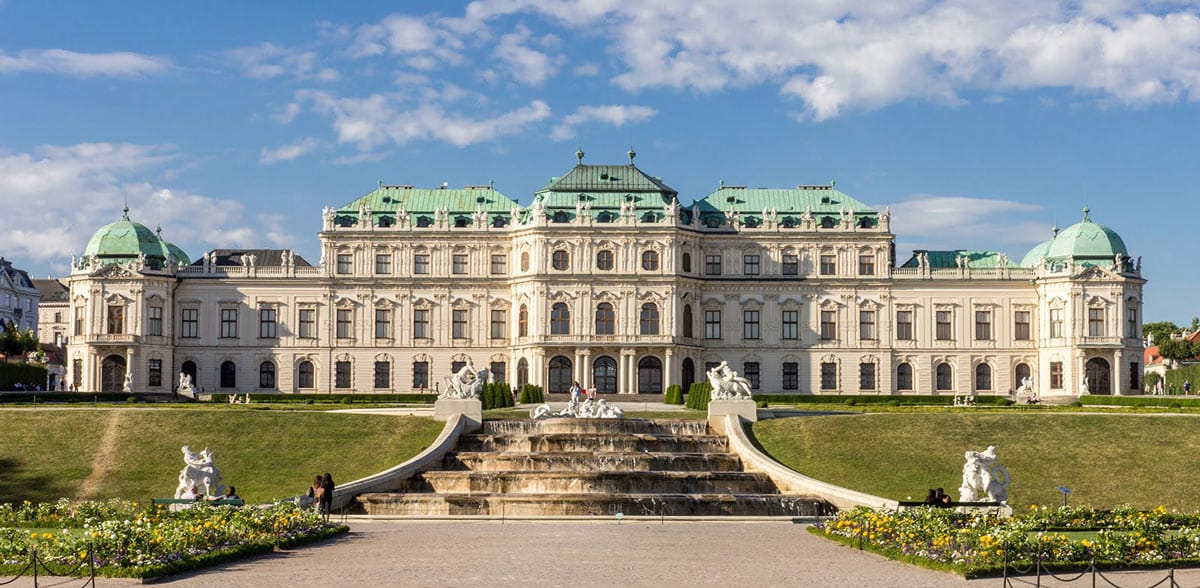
(560, 216)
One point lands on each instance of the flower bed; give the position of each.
(125, 541)
(981, 544)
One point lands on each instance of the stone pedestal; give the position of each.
(471, 408)
(719, 409)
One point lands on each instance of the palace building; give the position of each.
(607, 278)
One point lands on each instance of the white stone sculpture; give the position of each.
(199, 472)
(580, 410)
(185, 386)
(964, 400)
(727, 384)
(1083, 387)
(127, 386)
(466, 383)
(983, 479)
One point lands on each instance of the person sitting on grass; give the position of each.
(943, 499)
(230, 494)
(932, 498)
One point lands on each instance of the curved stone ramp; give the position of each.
(390, 478)
(791, 481)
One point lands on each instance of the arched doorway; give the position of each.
(228, 374)
(189, 368)
(522, 371)
(689, 374)
(604, 375)
(650, 375)
(1097, 372)
(112, 374)
(559, 381)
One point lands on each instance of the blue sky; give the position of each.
(981, 124)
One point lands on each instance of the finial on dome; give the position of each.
(579, 154)
(125, 212)
(631, 154)
(158, 230)
(1054, 229)
(1086, 210)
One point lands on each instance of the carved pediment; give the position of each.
(421, 302)
(114, 271)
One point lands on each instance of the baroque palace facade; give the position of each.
(607, 279)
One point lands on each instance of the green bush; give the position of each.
(131, 400)
(699, 395)
(531, 394)
(674, 395)
(1177, 376)
(28, 374)
(325, 398)
(850, 402)
(1160, 401)
(760, 403)
(893, 403)
(1006, 402)
(1077, 404)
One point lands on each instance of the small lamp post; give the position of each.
(1065, 491)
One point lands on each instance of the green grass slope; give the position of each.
(135, 453)
(1107, 460)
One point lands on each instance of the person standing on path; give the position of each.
(327, 494)
(574, 391)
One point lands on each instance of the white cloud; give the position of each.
(80, 188)
(613, 114)
(288, 114)
(422, 43)
(120, 64)
(267, 60)
(524, 64)
(959, 222)
(287, 152)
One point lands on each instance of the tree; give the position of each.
(1161, 331)
(10, 342)
(1178, 349)
(29, 341)
(1195, 324)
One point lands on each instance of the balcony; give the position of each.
(111, 338)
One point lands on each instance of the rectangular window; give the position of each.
(866, 325)
(1095, 322)
(828, 265)
(421, 263)
(229, 323)
(750, 324)
(499, 264)
(458, 326)
(712, 324)
(712, 265)
(383, 263)
(750, 372)
(1056, 375)
(828, 325)
(866, 265)
(116, 320)
(308, 323)
(497, 369)
(1056, 323)
(791, 375)
(341, 374)
(944, 329)
(1134, 375)
(77, 371)
(383, 375)
(750, 265)
(79, 320)
(904, 325)
(154, 375)
(345, 263)
(266, 323)
(189, 327)
(420, 375)
(828, 375)
(154, 315)
(866, 376)
(983, 325)
(499, 324)
(1021, 322)
(459, 265)
(1131, 323)
(345, 323)
(791, 265)
(791, 324)
(58, 317)
(383, 323)
(420, 323)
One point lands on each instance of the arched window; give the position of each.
(688, 373)
(228, 374)
(904, 377)
(687, 263)
(522, 372)
(523, 322)
(649, 319)
(983, 377)
(945, 377)
(687, 321)
(560, 319)
(560, 260)
(604, 375)
(560, 375)
(1022, 372)
(189, 368)
(266, 375)
(605, 319)
(525, 261)
(305, 375)
(604, 260)
(650, 260)
(650, 375)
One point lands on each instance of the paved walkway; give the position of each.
(580, 554)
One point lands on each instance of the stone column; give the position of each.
(537, 375)
(668, 368)
(585, 366)
(627, 379)
(1117, 375)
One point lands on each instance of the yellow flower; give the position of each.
(47, 535)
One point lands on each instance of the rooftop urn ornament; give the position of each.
(631, 153)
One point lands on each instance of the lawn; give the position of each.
(134, 453)
(1106, 460)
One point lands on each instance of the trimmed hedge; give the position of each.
(531, 394)
(65, 397)
(28, 374)
(496, 395)
(1176, 377)
(277, 398)
(699, 395)
(900, 400)
(1154, 401)
(673, 395)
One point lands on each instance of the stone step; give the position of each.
(594, 426)
(518, 482)
(591, 461)
(607, 505)
(598, 442)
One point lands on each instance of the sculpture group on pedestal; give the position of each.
(466, 383)
(580, 410)
(727, 384)
(983, 478)
(186, 389)
(199, 473)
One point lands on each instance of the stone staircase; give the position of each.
(591, 467)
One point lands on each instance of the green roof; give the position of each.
(823, 202)
(949, 259)
(605, 189)
(385, 201)
(1087, 242)
(1036, 254)
(125, 240)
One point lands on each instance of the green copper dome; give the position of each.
(125, 240)
(170, 249)
(1036, 254)
(1087, 241)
